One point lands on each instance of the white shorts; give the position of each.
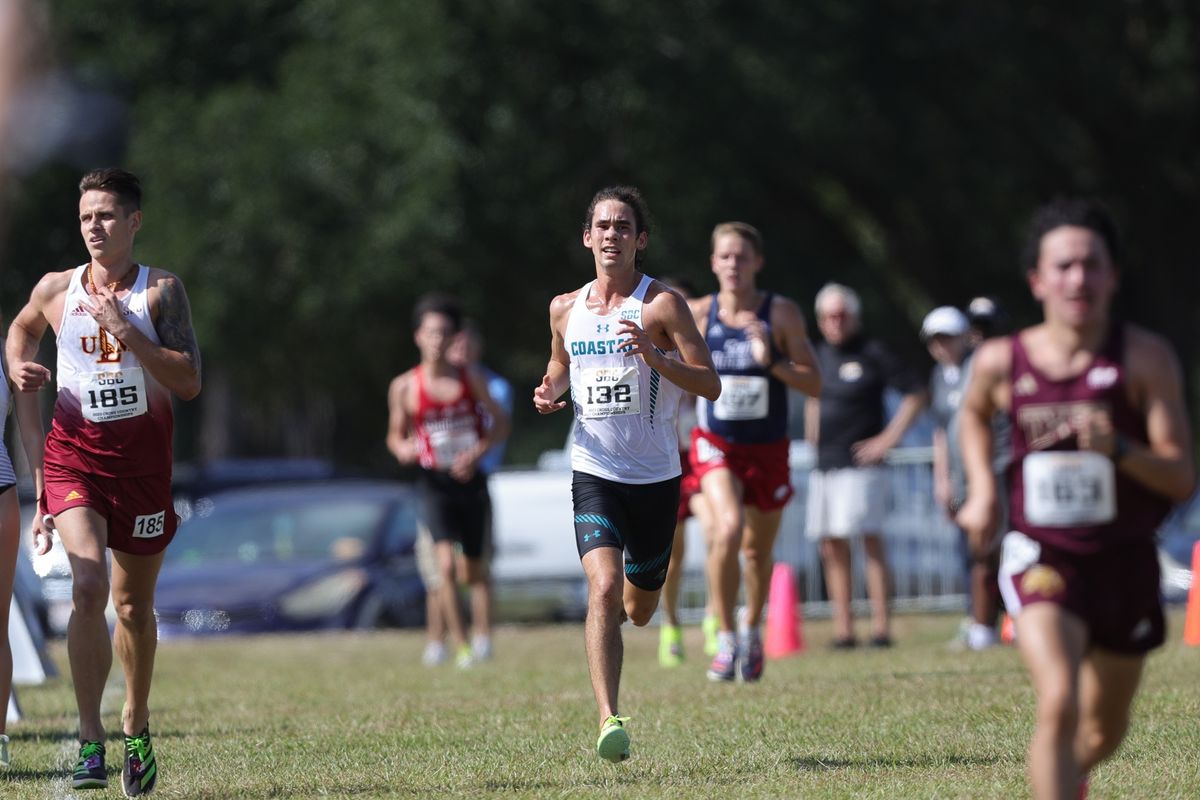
(427, 564)
(425, 550)
(846, 502)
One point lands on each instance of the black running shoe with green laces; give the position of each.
(141, 770)
(89, 769)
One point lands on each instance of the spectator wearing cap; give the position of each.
(949, 335)
(945, 332)
(987, 319)
(847, 491)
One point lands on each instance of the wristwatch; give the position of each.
(1120, 448)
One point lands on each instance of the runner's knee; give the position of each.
(1098, 742)
(132, 613)
(89, 592)
(640, 614)
(606, 589)
(1057, 707)
(753, 550)
(727, 533)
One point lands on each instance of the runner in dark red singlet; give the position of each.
(125, 347)
(1100, 450)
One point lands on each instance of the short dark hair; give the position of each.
(1080, 212)
(630, 196)
(125, 185)
(438, 303)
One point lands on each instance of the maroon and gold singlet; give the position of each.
(1073, 500)
(111, 417)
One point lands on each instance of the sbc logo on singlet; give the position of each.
(108, 346)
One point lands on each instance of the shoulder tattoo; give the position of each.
(174, 325)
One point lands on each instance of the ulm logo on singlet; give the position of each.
(108, 346)
(1047, 424)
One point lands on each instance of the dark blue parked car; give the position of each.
(334, 554)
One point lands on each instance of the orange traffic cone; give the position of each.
(784, 615)
(1191, 623)
(1008, 633)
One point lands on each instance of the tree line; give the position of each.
(311, 168)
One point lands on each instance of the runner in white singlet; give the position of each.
(627, 346)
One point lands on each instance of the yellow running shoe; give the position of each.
(710, 626)
(670, 646)
(613, 744)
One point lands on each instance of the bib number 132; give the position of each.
(621, 393)
(609, 392)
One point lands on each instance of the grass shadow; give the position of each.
(15, 775)
(871, 763)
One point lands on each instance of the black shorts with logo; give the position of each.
(455, 511)
(638, 519)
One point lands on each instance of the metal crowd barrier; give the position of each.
(924, 551)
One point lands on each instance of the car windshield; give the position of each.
(278, 532)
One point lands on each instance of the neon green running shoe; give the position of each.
(90, 772)
(710, 626)
(613, 744)
(465, 658)
(140, 772)
(670, 646)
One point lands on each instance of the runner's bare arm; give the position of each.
(1166, 465)
(399, 440)
(669, 313)
(33, 441)
(501, 424)
(798, 366)
(180, 364)
(990, 369)
(26, 331)
(558, 370)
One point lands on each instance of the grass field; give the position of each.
(357, 716)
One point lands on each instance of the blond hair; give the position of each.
(742, 229)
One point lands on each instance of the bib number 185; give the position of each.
(112, 398)
(149, 526)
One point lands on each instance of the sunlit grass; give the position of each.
(357, 716)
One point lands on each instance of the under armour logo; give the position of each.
(589, 536)
(602, 327)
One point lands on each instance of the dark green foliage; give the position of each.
(312, 168)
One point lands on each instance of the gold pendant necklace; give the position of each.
(112, 287)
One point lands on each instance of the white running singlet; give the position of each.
(625, 412)
(111, 417)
